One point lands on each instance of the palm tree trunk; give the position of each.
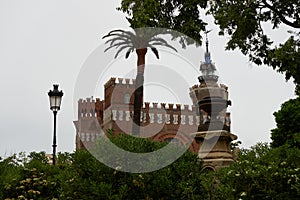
(139, 90)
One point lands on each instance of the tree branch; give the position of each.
(281, 17)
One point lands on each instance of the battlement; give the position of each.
(163, 116)
(194, 87)
(87, 107)
(153, 116)
(152, 112)
(120, 81)
(168, 106)
(222, 86)
(203, 91)
(87, 100)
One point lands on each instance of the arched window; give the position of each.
(127, 98)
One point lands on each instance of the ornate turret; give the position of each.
(207, 68)
(212, 101)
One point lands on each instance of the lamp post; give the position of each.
(55, 97)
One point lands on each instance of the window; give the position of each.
(151, 115)
(127, 115)
(182, 119)
(167, 119)
(127, 98)
(159, 118)
(197, 120)
(191, 119)
(120, 115)
(175, 119)
(114, 115)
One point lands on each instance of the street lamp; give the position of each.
(55, 97)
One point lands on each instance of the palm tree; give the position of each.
(139, 40)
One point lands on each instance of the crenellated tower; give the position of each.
(90, 113)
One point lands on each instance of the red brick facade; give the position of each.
(161, 122)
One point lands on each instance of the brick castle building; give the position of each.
(206, 121)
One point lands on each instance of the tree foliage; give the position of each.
(288, 124)
(260, 172)
(81, 176)
(182, 16)
(244, 22)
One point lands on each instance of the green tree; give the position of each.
(260, 172)
(88, 178)
(288, 124)
(81, 176)
(243, 21)
(31, 177)
(9, 170)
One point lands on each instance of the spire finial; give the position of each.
(206, 33)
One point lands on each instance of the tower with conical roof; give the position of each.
(213, 135)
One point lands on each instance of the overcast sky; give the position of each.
(46, 42)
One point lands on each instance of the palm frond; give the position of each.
(117, 45)
(113, 32)
(158, 39)
(121, 49)
(120, 36)
(161, 42)
(115, 39)
(128, 52)
(155, 51)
